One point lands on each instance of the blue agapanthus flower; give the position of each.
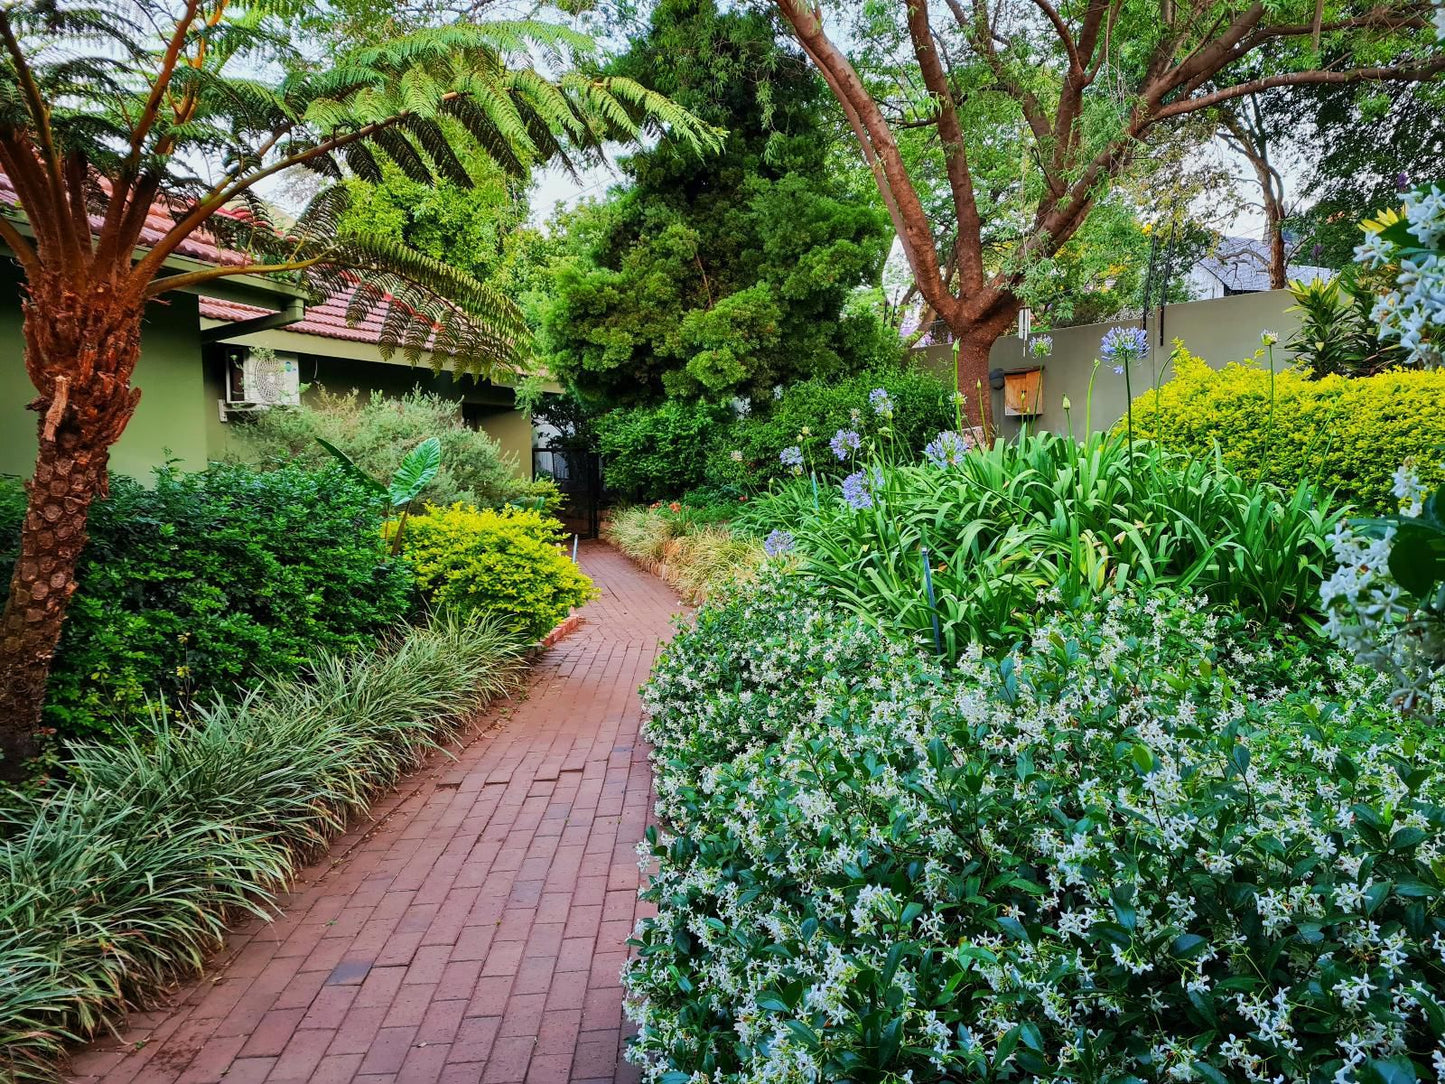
(845, 442)
(881, 402)
(792, 457)
(858, 488)
(1122, 345)
(777, 543)
(947, 449)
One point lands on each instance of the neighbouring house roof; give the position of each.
(1242, 265)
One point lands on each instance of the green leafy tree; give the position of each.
(1089, 90)
(111, 113)
(723, 276)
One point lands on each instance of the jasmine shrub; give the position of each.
(1143, 845)
(123, 879)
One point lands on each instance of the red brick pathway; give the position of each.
(473, 930)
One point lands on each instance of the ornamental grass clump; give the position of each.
(1142, 845)
(124, 879)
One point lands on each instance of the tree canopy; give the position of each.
(723, 275)
(1089, 89)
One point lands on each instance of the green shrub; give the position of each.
(1043, 514)
(922, 406)
(1343, 434)
(208, 580)
(1119, 853)
(507, 564)
(657, 453)
(120, 882)
(377, 431)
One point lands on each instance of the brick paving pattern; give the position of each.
(473, 929)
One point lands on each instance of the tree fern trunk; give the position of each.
(80, 355)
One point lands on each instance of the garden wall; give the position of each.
(1220, 330)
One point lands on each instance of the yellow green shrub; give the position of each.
(510, 563)
(1348, 434)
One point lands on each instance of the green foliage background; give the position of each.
(663, 452)
(728, 273)
(377, 431)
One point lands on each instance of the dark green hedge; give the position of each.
(204, 581)
(664, 452)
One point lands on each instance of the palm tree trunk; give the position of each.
(81, 354)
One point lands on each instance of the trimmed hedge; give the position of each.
(509, 565)
(1342, 433)
(209, 580)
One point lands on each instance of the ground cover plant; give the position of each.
(119, 882)
(200, 582)
(1144, 844)
(508, 564)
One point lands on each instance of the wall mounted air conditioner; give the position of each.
(257, 379)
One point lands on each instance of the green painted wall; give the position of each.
(171, 420)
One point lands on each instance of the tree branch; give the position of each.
(909, 217)
(1414, 73)
(167, 283)
(955, 154)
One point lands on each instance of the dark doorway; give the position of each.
(579, 476)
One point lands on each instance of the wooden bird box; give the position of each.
(1023, 393)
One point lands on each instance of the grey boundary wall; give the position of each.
(1221, 330)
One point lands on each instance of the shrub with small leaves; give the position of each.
(203, 581)
(508, 563)
(1144, 845)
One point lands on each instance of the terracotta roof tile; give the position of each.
(200, 245)
(326, 319)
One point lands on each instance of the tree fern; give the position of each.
(137, 97)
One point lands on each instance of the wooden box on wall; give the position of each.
(1023, 393)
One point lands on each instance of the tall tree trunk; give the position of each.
(973, 342)
(1278, 260)
(80, 353)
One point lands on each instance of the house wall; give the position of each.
(1220, 331)
(169, 423)
(492, 406)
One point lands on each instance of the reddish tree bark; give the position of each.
(1180, 77)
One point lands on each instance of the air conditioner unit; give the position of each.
(256, 379)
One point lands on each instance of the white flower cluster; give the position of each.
(1372, 619)
(1413, 310)
(1119, 852)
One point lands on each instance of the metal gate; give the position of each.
(578, 475)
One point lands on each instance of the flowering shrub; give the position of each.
(1384, 600)
(1117, 853)
(508, 563)
(1410, 245)
(813, 414)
